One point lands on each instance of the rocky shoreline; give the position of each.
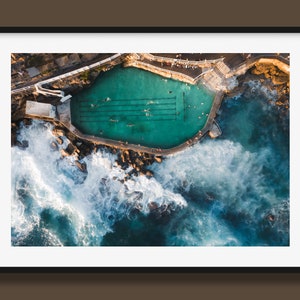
(268, 75)
(279, 81)
(274, 81)
(138, 162)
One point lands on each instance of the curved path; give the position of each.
(69, 74)
(218, 74)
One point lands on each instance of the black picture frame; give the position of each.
(76, 269)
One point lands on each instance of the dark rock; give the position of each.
(70, 149)
(132, 172)
(149, 173)
(139, 162)
(147, 162)
(27, 122)
(126, 155)
(160, 212)
(25, 143)
(54, 146)
(103, 180)
(271, 218)
(22, 145)
(64, 153)
(58, 132)
(14, 130)
(210, 196)
(122, 157)
(81, 166)
(86, 149)
(19, 144)
(153, 206)
(13, 139)
(14, 127)
(158, 159)
(59, 140)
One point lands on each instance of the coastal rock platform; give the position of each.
(224, 73)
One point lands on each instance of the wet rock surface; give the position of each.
(274, 81)
(269, 75)
(278, 80)
(138, 161)
(54, 146)
(81, 166)
(22, 144)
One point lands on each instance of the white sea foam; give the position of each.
(91, 202)
(205, 186)
(224, 179)
(199, 228)
(217, 165)
(258, 88)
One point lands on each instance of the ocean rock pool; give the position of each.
(139, 107)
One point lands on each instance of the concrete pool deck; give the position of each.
(63, 117)
(214, 74)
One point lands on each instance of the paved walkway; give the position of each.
(216, 78)
(64, 118)
(78, 71)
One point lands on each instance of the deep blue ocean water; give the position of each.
(229, 191)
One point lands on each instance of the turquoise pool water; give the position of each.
(139, 107)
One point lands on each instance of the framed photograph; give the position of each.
(135, 149)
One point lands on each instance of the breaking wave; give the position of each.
(231, 191)
(54, 202)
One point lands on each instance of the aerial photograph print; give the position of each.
(150, 149)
